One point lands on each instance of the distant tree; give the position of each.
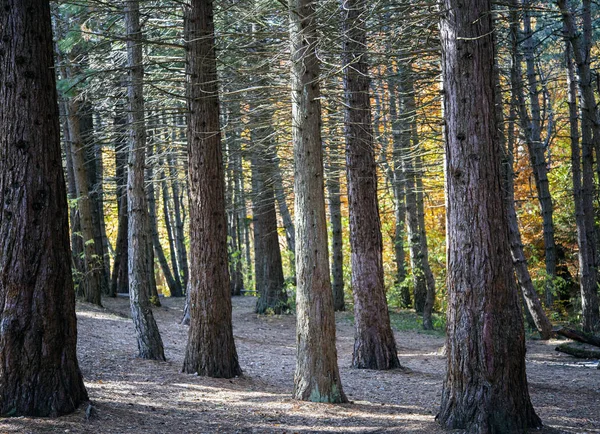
(485, 335)
(40, 375)
(317, 376)
(210, 349)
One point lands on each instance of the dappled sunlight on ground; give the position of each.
(130, 395)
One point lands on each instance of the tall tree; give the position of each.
(140, 266)
(317, 376)
(485, 389)
(507, 142)
(590, 135)
(210, 349)
(531, 125)
(40, 374)
(374, 344)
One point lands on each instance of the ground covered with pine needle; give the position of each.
(129, 395)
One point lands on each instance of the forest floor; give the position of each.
(131, 395)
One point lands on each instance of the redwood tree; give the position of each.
(210, 349)
(374, 344)
(40, 375)
(485, 389)
(317, 376)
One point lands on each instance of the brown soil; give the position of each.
(130, 395)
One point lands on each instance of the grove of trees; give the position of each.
(321, 155)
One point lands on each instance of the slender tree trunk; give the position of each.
(182, 258)
(76, 240)
(584, 190)
(233, 217)
(332, 174)
(399, 189)
(166, 201)
(414, 172)
(120, 274)
(284, 212)
(141, 269)
(210, 349)
(485, 389)
(317, 376)
(374, 344)
(267, 255)
(531, 301)
(93, 161)
(532, 128)
(92, 280)
(172, 284)
(40, 374)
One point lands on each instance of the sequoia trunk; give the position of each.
(40, 374)
(210, 349)
(485, 389)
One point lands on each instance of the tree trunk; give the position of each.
(92, 280)
(485, 389)
(233, 214)
(120, 275)
(332, 174)
(166, 201)
(172, 284)
(93, 167)
(531, 299)
(414, 172)
(76, 240)
(210, 349)
(40, 374)
(374, 344)
(399, 189)
(532, 129)
(584, 189)
(140, 266)
(268, 268)
(178, 194)
(317, 376)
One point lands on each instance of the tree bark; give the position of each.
(210, 349)
(374, 344)
(40, 374)
(485, 389)
(141, 268)
(75, 224)
(317, 376)
(92, 279)
(332, 174)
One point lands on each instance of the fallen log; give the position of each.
(578, 336)
(577, 351)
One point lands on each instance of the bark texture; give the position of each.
(374, 344)
(485, 390)
(141, 270)
(210, 349)
(40, 374)
(317, 376)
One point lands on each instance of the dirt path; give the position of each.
(138, 396)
